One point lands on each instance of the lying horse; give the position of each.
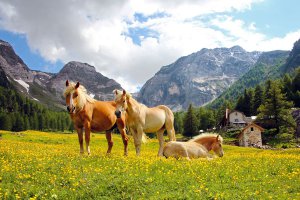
(140, 120)
(195, 148)
(91, 115)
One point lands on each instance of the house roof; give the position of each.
(232, 111)
(249, 125)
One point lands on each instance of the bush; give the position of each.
(285, 137)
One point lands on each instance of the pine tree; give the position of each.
(5, 122)
(190, 123)
(26, 122)
(296, 88)
(178, 122)
(240, 105)
(276, 108)
(221, 111)
(206, 119)
(258, 99)
(287, 87)
(19, 123)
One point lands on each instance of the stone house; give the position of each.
(250, 135)
(236, 119)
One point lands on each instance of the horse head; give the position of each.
(71, 95)
(121, 99)
(217, 146)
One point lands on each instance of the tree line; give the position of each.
(18, 113)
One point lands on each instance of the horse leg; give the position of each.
(121, 127)
(109, 141)
(186, 155)
(138, 135)
(160, 137)
(80, 139)
(87, 127)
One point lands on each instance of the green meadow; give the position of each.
(39, 165)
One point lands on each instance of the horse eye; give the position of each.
(124, 101)
(75, 95)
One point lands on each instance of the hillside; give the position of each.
(268, 66)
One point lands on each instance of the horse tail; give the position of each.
(169, 123)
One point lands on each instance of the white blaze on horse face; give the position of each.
(71, 103)
(120, 104)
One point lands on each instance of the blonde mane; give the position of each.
(206, 136)
(119, 94)
(82, 97)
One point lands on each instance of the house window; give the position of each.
(236, 120)
(236, 113)
(252, 129)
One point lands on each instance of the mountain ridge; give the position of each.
(197, 78)
(47, 88)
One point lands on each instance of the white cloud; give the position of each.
(97, 32)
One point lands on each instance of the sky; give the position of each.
(130, 40)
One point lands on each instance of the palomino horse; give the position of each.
(140, 120)
(196, 147)
(91, 115)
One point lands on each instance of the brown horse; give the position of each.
(91, 115)
(140, 120)
(196, 147)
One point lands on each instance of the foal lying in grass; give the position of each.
(196, 147)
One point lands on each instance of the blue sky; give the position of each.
(31, 58)
(131, 40)
(273, 17)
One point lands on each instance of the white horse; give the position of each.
(140, 120)
(195, 148)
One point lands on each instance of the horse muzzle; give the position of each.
(71, 109)
(118, 113)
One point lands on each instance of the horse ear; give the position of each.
(115, 91)
(77, 85)
(67, 83)
(218, 137)
(124, 92)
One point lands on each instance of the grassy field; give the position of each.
(37, 165)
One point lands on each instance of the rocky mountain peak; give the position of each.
(49, 87)
(197, 78)
(97, 85)
(12, 64)
(77, 66)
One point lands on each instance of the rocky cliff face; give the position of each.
(12, 64)
(293, 61)
(197, 78)
(48, 87)
(97, 85)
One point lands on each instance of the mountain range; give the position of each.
(48, 88)
(198, 78)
